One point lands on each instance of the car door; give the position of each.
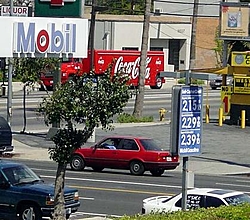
(127, 150)
(5, 207)
(104, 154)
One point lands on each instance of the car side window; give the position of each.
(128, 144)
(193, 201)
(213, 202)
(110, 143)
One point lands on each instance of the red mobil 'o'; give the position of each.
(42, 41)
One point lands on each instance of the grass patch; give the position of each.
(127, 118)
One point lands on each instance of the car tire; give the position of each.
(137, 168)
(97, 169)
(24, 213)
(156, 172)
(77, 163)
(158, 83)
(213, 88)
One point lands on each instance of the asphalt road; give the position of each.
(117, 192)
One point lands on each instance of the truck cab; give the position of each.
(23, 195)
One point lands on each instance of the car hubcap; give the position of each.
(136, 167)
(28, 214)
(76, 163)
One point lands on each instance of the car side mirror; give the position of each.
(4, 185)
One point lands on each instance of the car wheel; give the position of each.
(137, 168)
(97, 169)
(213, 88)
(156, 172)
(77, 163)
(158, 83)
(30, 212)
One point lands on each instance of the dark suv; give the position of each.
(24, 196)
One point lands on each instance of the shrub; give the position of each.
(240, 212)
(127, 118)
(193, 81)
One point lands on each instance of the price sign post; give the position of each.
(190, 123)
(190, 129)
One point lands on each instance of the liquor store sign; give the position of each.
(241, 84)
(43, 37)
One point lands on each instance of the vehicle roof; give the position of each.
(127, 136)
(220, 193)
(8, 163)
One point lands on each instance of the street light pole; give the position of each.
(10, 70)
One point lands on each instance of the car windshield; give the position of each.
(20, 174)
(150, 145)
(238, 199)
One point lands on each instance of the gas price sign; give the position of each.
(190, 122)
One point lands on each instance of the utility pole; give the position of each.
(188, 81)
(10, 70)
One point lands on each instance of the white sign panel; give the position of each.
(43, 37)
(17, 11)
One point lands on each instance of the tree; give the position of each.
(27, 70)
(139, 100)
(81, 104)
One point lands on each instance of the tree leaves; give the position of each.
(81, 104)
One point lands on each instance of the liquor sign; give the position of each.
(44, 37)
(241, 84)
(20, 11)
(190, 121)
(234, 20)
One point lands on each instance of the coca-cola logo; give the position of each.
(132, 67)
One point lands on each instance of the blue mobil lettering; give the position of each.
(28, 40)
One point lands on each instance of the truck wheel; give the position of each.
(158, 83)
(77, 163)
(137, 168)
(30, 212)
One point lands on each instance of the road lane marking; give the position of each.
(119, 182)
(120, 190)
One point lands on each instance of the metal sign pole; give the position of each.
(10, 70)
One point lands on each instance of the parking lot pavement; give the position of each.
(224, 149)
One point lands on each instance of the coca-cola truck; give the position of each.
(126, 61)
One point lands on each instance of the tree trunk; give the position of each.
(139, 100)
(59, 212)
(24, 109)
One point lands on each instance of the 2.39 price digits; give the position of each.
(190, 139)
(189, 122)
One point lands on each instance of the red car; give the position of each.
(137, 154)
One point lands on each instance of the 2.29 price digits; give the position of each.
(189, 122)
(191, 105)
(190, 139)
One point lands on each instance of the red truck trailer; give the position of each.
(124, 60)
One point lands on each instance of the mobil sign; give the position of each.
(45, 37)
